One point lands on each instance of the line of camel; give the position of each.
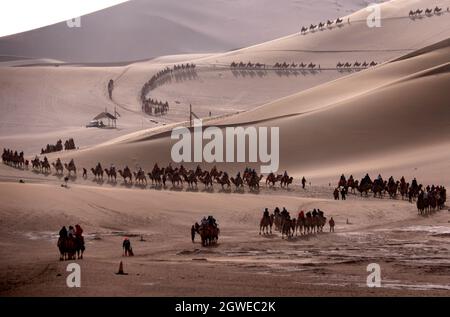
(428, 12)
(322, 25)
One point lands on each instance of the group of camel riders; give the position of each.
(378, 186)
(14, 158)
(307, 222)
(72, 232)
(301, 215)
(206, 222)
(68, 145)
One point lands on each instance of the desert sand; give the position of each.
(391, 119)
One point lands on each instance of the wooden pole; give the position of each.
(190, 115)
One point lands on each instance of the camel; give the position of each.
(175, 179)
(321, 25)
(427, 12)
(71, 248)
(312, 27)
(58, 167)
(45, 166)
(111, 173)
(364, 188)
(392, 189)
(329, 23)
(125, 174)
(238, 182)
(339, 20)
(208, 234)
(287, 228)
(190, 179)
(437, 10)
(299, 225)
(265, 225)
(206, 179)
(304, 30)
(272, 179)
(71, 167)
(286, 180)
(97, 171)
(140, 178)
(253, 182)
(377, 189)
(224, 180)
(35, 163)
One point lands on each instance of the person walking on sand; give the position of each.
(331, 223)
(193, 233)
(126, 245)
(343, 193)
(303, 182)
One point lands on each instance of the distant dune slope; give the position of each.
(142, 29)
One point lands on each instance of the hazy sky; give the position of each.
(22, 15)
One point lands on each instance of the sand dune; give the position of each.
(132, 30)
(373, 116)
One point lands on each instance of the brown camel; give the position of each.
(265, 225)
(71, 167)
(126, 173)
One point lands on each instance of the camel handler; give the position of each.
(126, 245)
(331, 223)
(193, 233)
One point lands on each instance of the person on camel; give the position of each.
(63, 232)
(314, 213)
(301, 214)
(266, 213)
(71, 232)
(78, 231)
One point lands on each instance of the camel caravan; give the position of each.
(50, 148)
(430, 197)
(356, 65)
(276, 66)
(419, 13)
(160, 177)
(154, 107)
(14, 159)
(307, 223)
(208, 230)
(329, 24)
